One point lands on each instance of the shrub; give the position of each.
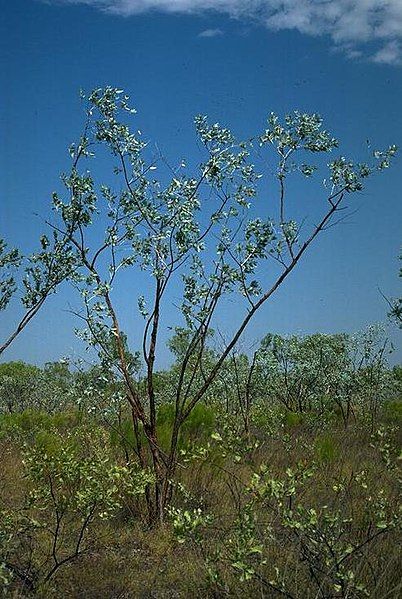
(73, 483)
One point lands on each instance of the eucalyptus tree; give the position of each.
(305, 373)
(205, 235)
(238, 386)
(315, 373)
(18, 382)
(372, 379)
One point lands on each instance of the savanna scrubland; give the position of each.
(235, 472)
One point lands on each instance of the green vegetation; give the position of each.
(232, 473)
(302, 503)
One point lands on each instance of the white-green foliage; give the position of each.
(47, 268)
(38, 275)
(73, 481)
(317, 372)
(79, 477)
(26, 387)
(9, 260)
(187, 524)
(203, 233)
(395, 304)
(197, 227)
(301, 372)
(95, 391)
(322, 543)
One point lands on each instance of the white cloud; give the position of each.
(391, 53)
(352, 24)
(210, 33)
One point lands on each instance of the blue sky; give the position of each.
(235, 61)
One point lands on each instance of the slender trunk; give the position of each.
(172, 461)
(157, 514)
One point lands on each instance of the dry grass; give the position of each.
(125, 560)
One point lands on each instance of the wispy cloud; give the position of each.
(391, 53)
(354, 26)
(210, 33)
